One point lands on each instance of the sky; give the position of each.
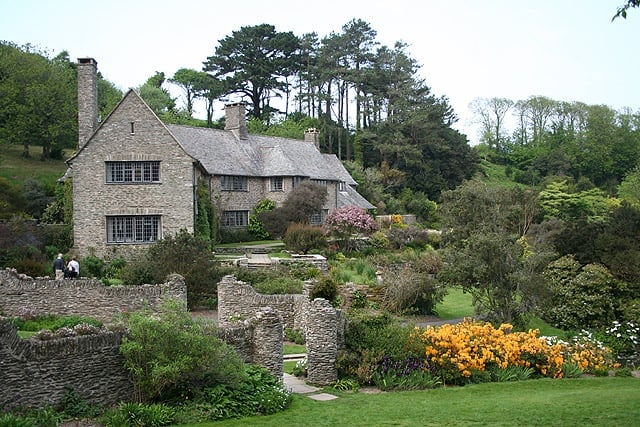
(567, 50)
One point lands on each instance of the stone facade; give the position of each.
(131, 133)
(83, 297)
(35, 374)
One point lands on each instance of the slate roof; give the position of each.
(351, 197)
(221, 153)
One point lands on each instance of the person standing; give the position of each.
(74, 267)
(58, 267)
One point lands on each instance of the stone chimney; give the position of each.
(235, 120)
(87, 99)
(312, 135)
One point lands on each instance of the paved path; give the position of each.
(296, 385)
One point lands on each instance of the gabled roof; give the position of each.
(135, 98)
(221, 153)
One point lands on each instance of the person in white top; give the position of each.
(74, 268)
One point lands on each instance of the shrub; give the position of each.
(623, 338)
(294, 335)
(258, 394)
(171, 350)
(409, 281)
(344, 222)
(460, 353)
(581, 297)
(301, 203)
(301, 237)
(255, 226)
(183, 254)
(326, 287)
(92, 266)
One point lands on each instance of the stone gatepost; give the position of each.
(268, 340)
(322, 348)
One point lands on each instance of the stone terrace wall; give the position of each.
(238, 301)
(83, 297)
(37, 373)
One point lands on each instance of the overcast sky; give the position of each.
(567, 50)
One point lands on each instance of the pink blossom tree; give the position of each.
(347, 221)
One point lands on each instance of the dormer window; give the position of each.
(342, 186)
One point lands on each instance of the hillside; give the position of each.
(18, 169)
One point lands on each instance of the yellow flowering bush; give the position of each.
(472, 349)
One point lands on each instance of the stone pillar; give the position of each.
(268, 339)
(87, 99)
(322, 348)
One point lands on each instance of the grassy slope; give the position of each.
(584, 401)
(18, 169)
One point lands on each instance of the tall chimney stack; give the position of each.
(235, 120)
(87, 99)
(312, 135)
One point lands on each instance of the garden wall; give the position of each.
(82, 297)
(323, 326)
(37, 373)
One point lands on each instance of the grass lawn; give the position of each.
(545, 402)
(456, 304)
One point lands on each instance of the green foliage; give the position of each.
(52, 322)
(75, 406)
(303, 201)
(294, 335)
(183, 254)
(279, 285)
(11, 420)
(411, 285)
(557, 201)
(269, 282)
(39, 100)
(485, 251)
(171, 350)
(408, 374)
(258, 394)
(139, 415)
(92, 266)
(580, 296)
(302, 238)
(255, 226)
(325, 287)
(206, 221)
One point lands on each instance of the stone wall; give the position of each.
(239, 301)
(323, 326)
(82, 297)
(38, 373)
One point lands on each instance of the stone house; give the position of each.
(135, 178)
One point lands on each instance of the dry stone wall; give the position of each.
(35, 374)
(82, 297)
(323, 326)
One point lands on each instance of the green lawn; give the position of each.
(456, 304)
(545, 402)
